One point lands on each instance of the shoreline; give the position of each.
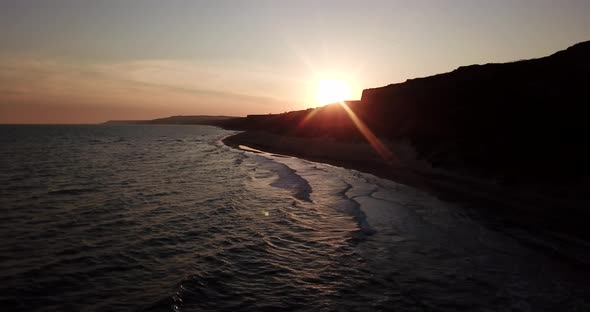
(357, 156)
(535, 212)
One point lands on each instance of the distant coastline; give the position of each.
(176, 120)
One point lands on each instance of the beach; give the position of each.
(354, 155)
(529, 208)
(442, 237)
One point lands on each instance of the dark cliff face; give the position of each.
(515, 116)
(523, 120)
(328, 121)
(480, 97)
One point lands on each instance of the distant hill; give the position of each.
(524, 120)
(124, 122)
(178, 120)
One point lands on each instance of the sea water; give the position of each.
(167, 218)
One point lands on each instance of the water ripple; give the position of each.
(164, 218)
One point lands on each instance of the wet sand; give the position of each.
(357, 156)
(533, 210)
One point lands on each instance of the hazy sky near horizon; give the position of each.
(76, 61)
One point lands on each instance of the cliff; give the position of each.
(518, 122)
(515, 117)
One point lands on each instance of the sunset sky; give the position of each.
(76, 61)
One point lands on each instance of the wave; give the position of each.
(287, 177)
(295, 174)
(74, 191)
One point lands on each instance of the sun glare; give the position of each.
(332, 91)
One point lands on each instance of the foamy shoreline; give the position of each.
(532, 210)
(357, 156)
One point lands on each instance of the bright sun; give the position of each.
(332, 91)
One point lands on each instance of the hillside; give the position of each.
(519, 122)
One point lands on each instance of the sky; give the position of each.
(88, 61)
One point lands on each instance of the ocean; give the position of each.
(167, 218)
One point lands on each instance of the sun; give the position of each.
(332, 91)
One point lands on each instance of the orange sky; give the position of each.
(69, 61)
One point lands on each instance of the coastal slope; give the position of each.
(519, 122)
(512, 134)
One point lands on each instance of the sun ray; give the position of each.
(368, 134)
(307, 117)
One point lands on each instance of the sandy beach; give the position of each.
(358, 156)
(532, 209)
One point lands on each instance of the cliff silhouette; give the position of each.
(520, 122)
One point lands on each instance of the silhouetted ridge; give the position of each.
(523, 120)
(514, 116)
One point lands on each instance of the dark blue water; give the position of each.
(166, 218)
